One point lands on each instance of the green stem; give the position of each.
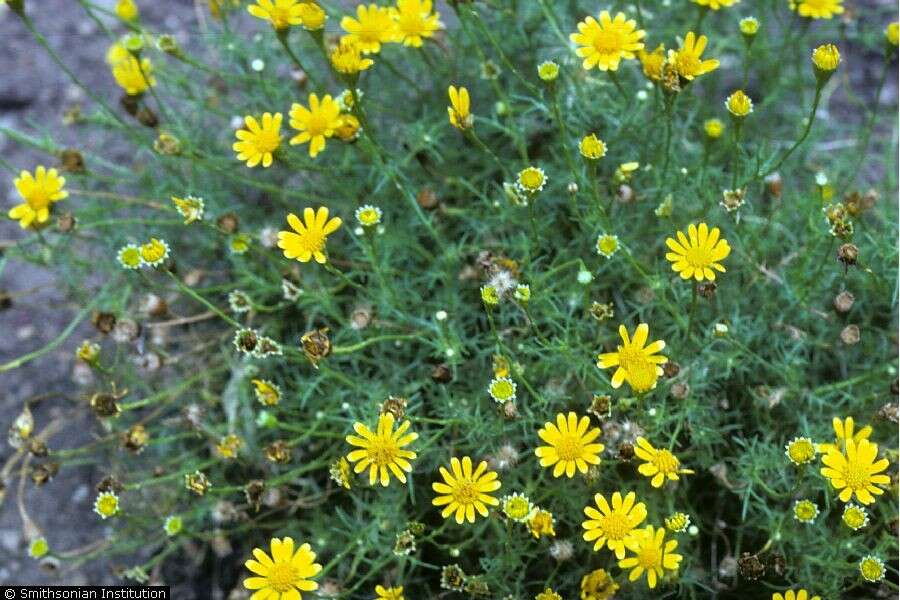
(803, 136)
(863, 146)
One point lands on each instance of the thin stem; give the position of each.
(802, 138)
(282, 39)
(863, 146)
(693, 309)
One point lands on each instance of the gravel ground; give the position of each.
(34, 93)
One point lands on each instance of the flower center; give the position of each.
(615, 526)
(697, 257)
(383, 452)
(569, 447)
(411, 23)
(313, 240)
(650, 557)
(665, 461)
(465, 492)
(641, 373)
(856, 478)
(608, 41)
(282, 577)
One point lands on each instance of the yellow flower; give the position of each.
(570, 445)
(892, 33)
(129, 257)
(368, 215)
(88, 351)
(541, 522)
(800, 450)
(267, 393)
(190, 207)
(698, 254)
(677, 522)
(38, 191)
(415, 21)
(604, 43)
(843, 431)
(347, 59)
(531, 180)
(465, 491)
(315, 123)
(339, 471)
(805, 511)
(517, 507)
(660, 463)
(257, 142)
(713, 128)
(716, 4)
(155, 252)
(652, 62)
(502, 389)
(749, 26)
(240, 243)
(548, 594)
(38, 548)
(280, 13)
(394, 593)
(625, 171)
(173, 525)
(739, 104)
(636, 364)
(607, 244)
(373, 26)
(818, 9)
(598, 585)
(871, 568)
(283, 575)
(127, 10)
(348, 129)
(312, 15)
(106, 505)
(548, 71)
(826, 58)
(489, 295)
(686, 60)
(382, 451)
(592, 147)
(856, 470)
(458, 111)
(651, 554)
(132, 76)
(855, 517)
(229, 446)
(612, 525)
(310, 237)
(791, 595)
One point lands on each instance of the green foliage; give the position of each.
(780, 370)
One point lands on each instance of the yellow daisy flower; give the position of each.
(855, 517)
(805, 511)
(792, 595)
(372, 27)
(739, 104)
(465, 491)
(651, 554)
(892, 33)
(280, 13)
(612, 525)
(415, 21)
(598, 585)
(132, 76)
(382, 450)
(660, 463)
(127, 10)
(38, 191)
(517, 507)
(383, 593)
(106, 505)
(818, 9)
(713, 128)
(698, 253)
(716, 4)
(313, 16)
(570, 445)
(315, 123)
(687, 59)
(800, 450)
(347, 59)
(871, 568)
(283, 575)
(856, 471)
(826, 58)
(604, 43)
(845, 430)
(459, 109)
(256, 143)
(531, 180)
(652, 62)
(267, 393)
(310, 237)
(548, 594)
(636, 363)
(749, 26)
(155, 252)
(592, 147)
(541, 523)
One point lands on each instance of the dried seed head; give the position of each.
(562, 550)
(625, 194)
(888, 412)
(774, 185)
(153, 305)
(135, 439)
(316, 345)
(38, 448)
(110, 484)
(246, 340)
(361, 317)
(228, 223)
(41, 474)
(848, 254)
(427, 199)
(671, 369)
(103, 321)
(510, 411)
(197, 482)
(850, 335)
(395, 405)
(680, 390)
(626, 451)
(453, 578)
(147, 117)
(843, 302)
(441, 373)
(750, 566)
(601, 406)
(125, 331)
(707, 289)
(71, 160)
(105, 405)
(254, 493)
(66, 223)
